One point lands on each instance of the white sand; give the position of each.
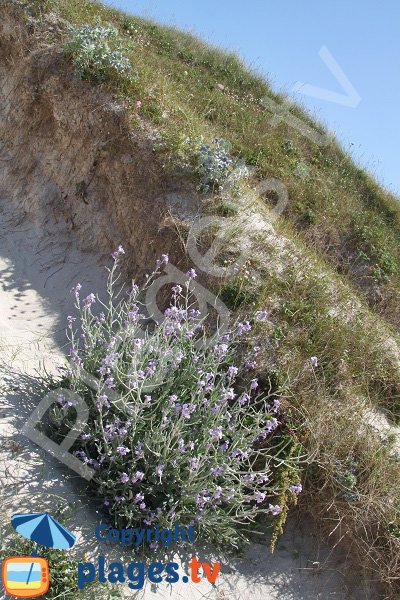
(37, 272)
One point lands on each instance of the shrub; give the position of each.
(97, 52)
(216, 167)
(200, 445)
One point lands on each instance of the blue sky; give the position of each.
(282, 39)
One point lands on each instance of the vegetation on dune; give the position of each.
(177, 432)
(192, 92)
(330, 339)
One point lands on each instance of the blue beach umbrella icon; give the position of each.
(44, 530)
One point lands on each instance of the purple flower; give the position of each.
(139, 450)
(139, 498)
(296, 489)
(118, 252)
(122, 450)
(69, 404)
(202, 499)
(271, 424)
(109, 383)
(194, 463)
(133, 313)
(75, 358)
(171, 328)
(218, 492)
(80, 454)
(229, 394)
(261, 315)
(232, 372)
(193, 314)
(205, 382)
(175, 314)
(187, 410)
(191, 274)
(314, 361)
(216, 434)
(70, 320)
(243, 328)
(77, 289)
(102, 401)
(133, 290)
(218, 471)
(239, 455)
(224, 447)
(276, 405)
(111, 359)
(250, 364)
(181, 446)
(177, 289)
(124, 478)
(154, 545)
(177, 359)
(244, 399)
(165, 420)
(259, 497)
(253, 384)
(274, 509)
(138, 476)
(165, 258)
(89, 300)
(159, 471)
(220, 350)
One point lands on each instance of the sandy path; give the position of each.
(36, 274)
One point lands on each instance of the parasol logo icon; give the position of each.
(29, 576)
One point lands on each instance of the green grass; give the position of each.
(179, 81)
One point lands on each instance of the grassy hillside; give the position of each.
(328, 274)
(190, 90)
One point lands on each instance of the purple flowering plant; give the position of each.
(177, 431)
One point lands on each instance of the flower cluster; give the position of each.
(97, 52)
(176, 433)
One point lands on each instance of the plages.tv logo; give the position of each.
(29, 576)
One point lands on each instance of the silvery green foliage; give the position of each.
(216, 168)
(97, 52)
(214, 164)
(201, 444)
